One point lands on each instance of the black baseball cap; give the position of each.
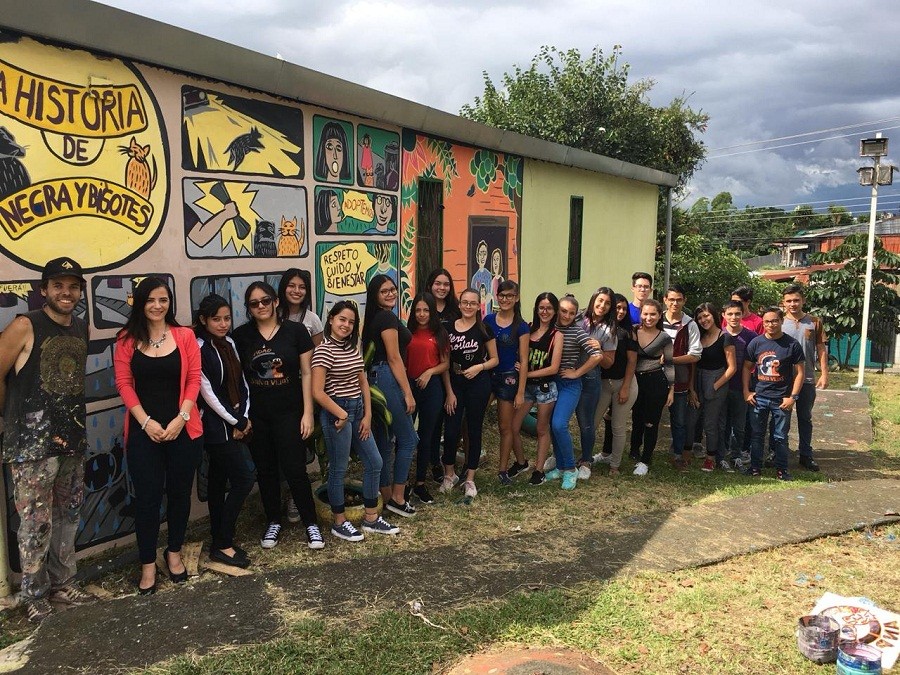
(62, 267)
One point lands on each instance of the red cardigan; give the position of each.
(189, 352)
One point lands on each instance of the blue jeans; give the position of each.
(781, 427)
(586, 413)
(735, 422)
(430, 412)
(803, 408)
(678, 421)
(339, 443)
(380, 375)
(569, 391)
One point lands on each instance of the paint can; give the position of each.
(858, 658)
(817, 638)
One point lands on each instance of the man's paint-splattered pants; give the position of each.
(48, 494)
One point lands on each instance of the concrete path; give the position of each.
(134, 631)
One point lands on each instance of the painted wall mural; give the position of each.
(340, 211)
(346, 268)
(229, 219)
(220, 132)
(481, 211)
(111, 297)
(333, 141)
(232, 288)
(83, 157)
(379, 158)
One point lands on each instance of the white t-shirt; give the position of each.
(311, 321)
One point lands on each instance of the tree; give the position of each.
(836, 295)
(588, 103)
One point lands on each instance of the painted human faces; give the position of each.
(334, 158)
(384, 211)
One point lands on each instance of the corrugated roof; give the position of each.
(97, 27)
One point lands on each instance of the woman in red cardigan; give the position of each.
(157, 366)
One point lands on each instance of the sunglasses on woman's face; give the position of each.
(264, 302)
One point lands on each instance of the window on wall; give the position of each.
(576, 214)
(429, 229)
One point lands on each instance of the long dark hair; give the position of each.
(136, 326)
(536, 317)
(323, 211)
(208, 307)
(712, 309)
(267, 289)
(372, 306)
(510, 285)
(329, 131)
(434, 324)
(625, 324)
(352, 341)
(451, 301)
(592, 319)
(284, 307)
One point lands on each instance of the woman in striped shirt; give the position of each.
(578, 357)
(340, 386)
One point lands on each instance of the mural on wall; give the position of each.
(18, 297)
(229, 219)
(379, 158)
(100, 380)
(346, 268)
(333, 140)
(482, 189)
(232, 288)
(221, 132)
(340, 211)
(111, 297)
(487, 253)
(83, 157)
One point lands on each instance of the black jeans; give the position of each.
(229, 463)
(155, 468)
(276, 445)
(430, 412)
(653, 389)
(471, 401)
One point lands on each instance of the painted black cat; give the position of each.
(13, 174)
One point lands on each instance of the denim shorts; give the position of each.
(541, 393)
(505, 385)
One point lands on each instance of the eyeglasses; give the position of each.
(642, 287)
(506, 296)
(388, 291)
(468, 303)
(265, 302)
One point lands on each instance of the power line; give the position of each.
(790, 145)
(807, 133)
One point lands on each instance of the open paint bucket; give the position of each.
(817, 638)
(857, 658)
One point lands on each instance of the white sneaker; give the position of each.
(448, 484)
(471, 490)
(291, 512)
(600, 458)
(270, 537)
(699, 450)
(584, 472)
(641, 469)
(550, 464)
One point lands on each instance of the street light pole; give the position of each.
(867, 287)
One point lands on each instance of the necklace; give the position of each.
(271, 332)
(158, 343)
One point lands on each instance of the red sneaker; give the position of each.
(709, 464)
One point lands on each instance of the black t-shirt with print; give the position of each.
(272, 367)
(468, 348)
(382, 321)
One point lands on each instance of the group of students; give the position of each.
(435, 375)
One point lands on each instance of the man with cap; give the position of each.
(43, 354)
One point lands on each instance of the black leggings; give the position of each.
(653, 390)
(155, 468)
(228, 463)
(276, 445)
(472, 398)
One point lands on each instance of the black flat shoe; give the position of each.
(146, 591)
(236, 560)
(179, 578)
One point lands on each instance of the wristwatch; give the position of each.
(186, 416)
(796, 397)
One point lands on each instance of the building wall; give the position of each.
(618, 232)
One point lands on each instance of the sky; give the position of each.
(761, 69)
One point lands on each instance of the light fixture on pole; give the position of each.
(876, 148)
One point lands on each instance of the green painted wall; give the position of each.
(618, 232)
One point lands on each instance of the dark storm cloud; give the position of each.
(759, 69)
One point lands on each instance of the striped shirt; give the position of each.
(342, 368)
(575, 346)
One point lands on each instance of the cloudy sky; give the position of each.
(761, 69)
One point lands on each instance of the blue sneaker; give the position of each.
(569, 479)
(379, 526)
(553, 474)
(346, 531)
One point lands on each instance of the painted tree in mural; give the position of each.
(588, 103)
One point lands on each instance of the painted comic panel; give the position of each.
(232, 288)
(341, 211)
(232, 219)
(100, 380)
(346, 267)
(333, 140)
(378, 151)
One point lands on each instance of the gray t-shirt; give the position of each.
(809, 332)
